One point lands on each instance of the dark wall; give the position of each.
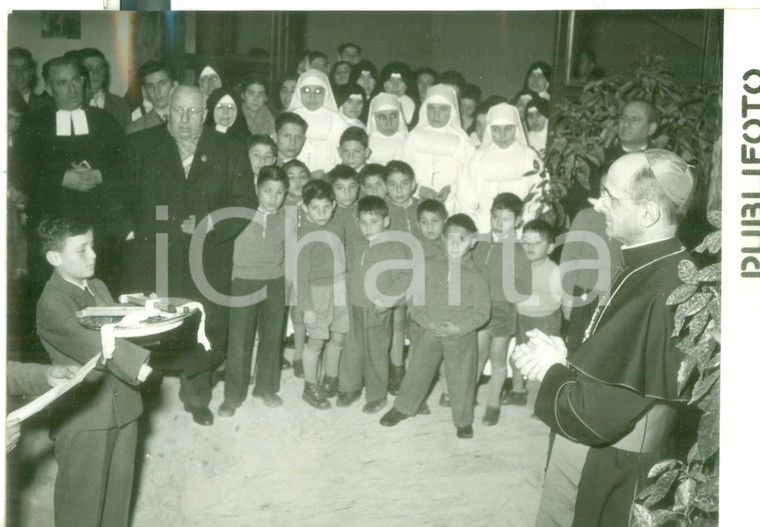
(491, 49)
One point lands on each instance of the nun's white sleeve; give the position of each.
(466, 191)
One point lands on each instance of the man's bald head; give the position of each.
(637, 123)
(186, 112)
(666, 179)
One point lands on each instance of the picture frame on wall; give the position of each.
(61, 24)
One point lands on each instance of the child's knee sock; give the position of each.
(332, 358)
(299, 341)
(498, 375)
(311, 352)
(397, 346)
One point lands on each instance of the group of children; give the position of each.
(360, 263)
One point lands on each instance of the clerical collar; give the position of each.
(642, 253)
(66, 120)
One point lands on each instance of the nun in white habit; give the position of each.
(438, 149)
(503, 163)
(314, 101)
(386, 129)
(208, 81)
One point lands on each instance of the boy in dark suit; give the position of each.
(96, 434)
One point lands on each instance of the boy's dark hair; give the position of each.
(253, 79)
(508, 201)
(461, 220)
(364, 65)
(470, 91)
(342, 173)
(542, 105)
(452, 78)
(372, 205)
(346, 45)
(544, 229)
(398, 166)
(273, 173)
(261, 139)
(53, 232)
(296, 163)
(289, 118)
(316, 55)
(354, 133)
(317, 189)
(154, 66)
(434, 206)
(344, 92)
(371, 169)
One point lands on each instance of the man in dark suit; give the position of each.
(22, 77)
(157, 81)
(69, 158)
(182, 172)
(97, 66)
(636, 126)
(95, 430)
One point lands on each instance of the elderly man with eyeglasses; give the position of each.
(182, 172)
(617, 393)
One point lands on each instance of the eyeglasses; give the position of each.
(229, 106)
(309, 91)
(190, 112)
(97, 69)
(608, 199)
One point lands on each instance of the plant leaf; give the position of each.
(679, 319)
(642, 517)
(661, 487)
(681, 293)
(703, 385)
(661, 467)
(697, 324)
(685, 370)
(684, 495)
(687, 271)
(708, 434)
(714, 217)
(711, 273)
(706, 495)
(697, 303)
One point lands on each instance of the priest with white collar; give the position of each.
(71, 161)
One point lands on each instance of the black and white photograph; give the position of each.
(290, 268)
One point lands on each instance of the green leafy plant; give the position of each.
(686, 493)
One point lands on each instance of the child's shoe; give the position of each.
(464, 432)
(392, 417)
(375, 406)
(424, 409)
(346, 399)
(444, 400)
(394, 379)
(330, 386)
(312, 394)
(298, 368)
(517, 398)
(491, 417)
